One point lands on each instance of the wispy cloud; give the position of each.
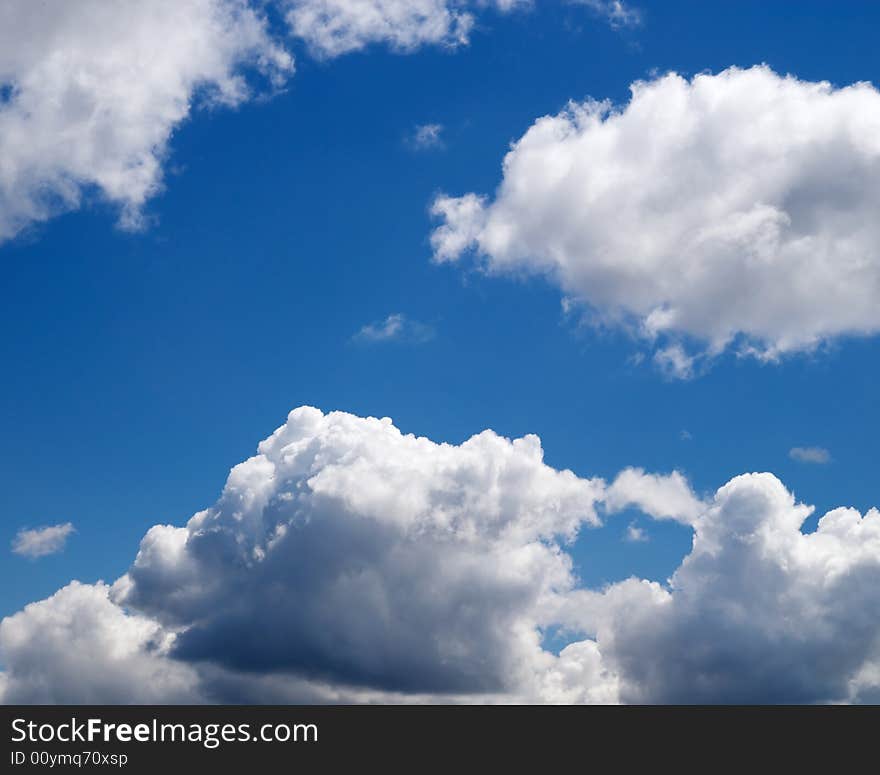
(618, 13)
(395, 328)
(634, 534)
(426, 136)
(818, 455)
(41, 541)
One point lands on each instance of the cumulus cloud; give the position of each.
(818, 455)
(395, 328)
(349, 562)
(729, 210)
(79, 647)
(94, 90)
(41, 541)
(758, 612)
(375, 558)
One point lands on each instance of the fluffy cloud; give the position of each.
(374, 558)
(735, 209)
(758, 612)
(78, 647)
(94, 91)
(91, 92)
(41, 541)
(661, 497)
(345, 562)
(349, 562)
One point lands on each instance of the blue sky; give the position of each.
(140, 366)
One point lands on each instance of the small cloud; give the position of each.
(426, 136)
(674, 362)
(636, 535)
(618, 13)
(685, 435)
(395, 328)
(41, 541)
(818, 455)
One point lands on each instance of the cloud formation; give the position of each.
(758, 612)
(41, 541)
(78, 647)
(349, 562)
(95, 90)
(733, 210)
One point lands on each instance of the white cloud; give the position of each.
(658, 496)
(395, 328)
(335, 27)
(376, 566)
(390, 561)
(331, 28)
(731, 210)
(41, 541)
(757, 612)
(348, 562)
(96, 90)
(817, 455)
(426, 136)
(78, 647)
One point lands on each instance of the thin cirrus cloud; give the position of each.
(729, 211)
(818, 455)
(397, 327)
(403, 570)
(41, 541)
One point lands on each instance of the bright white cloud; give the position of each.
(395, 328)
(735, 209)
(818, 455)
(661, 497)
(348, 562)
(96, 90)
(78, 647)
(41, 541)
